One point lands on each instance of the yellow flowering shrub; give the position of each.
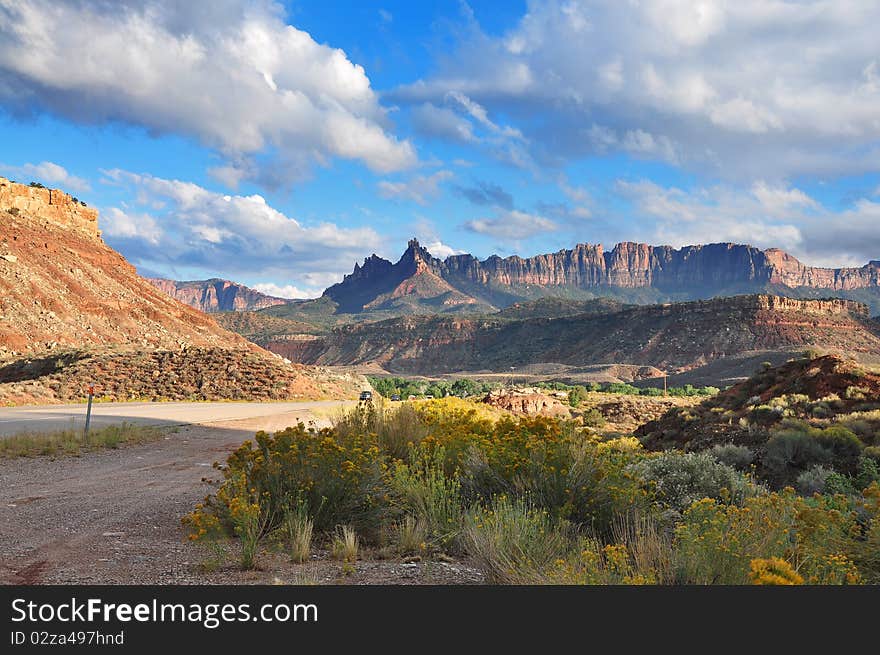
(715, 542)
(338, 480)
(555, 466)
(773, 571)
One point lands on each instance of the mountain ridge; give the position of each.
(216, 294)
(632, 272)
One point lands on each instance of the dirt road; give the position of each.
(14, 420)
(114, 516)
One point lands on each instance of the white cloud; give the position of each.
(777, 199)
(574, 193)
(286, 291)
(441, 122)
(420, 189)
(511, 225)
(117, 223)
(230, 74)
(227, 235)
(50, 174)
(752, 89)
(440, 249)
(768, 217)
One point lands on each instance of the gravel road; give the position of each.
(113, 517)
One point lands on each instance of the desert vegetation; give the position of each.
(539, 500)
(72, 442)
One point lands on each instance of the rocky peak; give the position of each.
(416, 258)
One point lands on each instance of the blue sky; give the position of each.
(277, 144)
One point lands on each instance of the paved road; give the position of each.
(14, 420)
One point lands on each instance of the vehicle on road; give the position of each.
(395, 397)
(366, 396)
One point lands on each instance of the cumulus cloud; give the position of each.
(48, 173)
(752, 89)
(231, 74)
(420, 189)
(236, 236)
(768, 217)
(511, 225)
(440, 249)
(120, 224)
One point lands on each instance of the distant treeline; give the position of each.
(438, 389)
(628, 389)
(464, 387)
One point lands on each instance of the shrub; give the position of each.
(248, 519)
(856, 393)
(844, 447)
(553, 465)
(339, 479)
(512, 542)
(576, 396)
(593, 418)
(790, 452)
(424, 491)
(715, 543)
(873, 453)
(813, 481)
(395, 429)
(678, 479)
(773, 571)
(733, 455)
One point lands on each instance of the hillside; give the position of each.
(553, 307)
(630, 272)
(672, 337)
(809, 412)
(186, 374)
(216, 295)
(62, 290)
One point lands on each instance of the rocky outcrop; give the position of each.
(691, 272)
(216, 295)
(528, 403)
(50, 204)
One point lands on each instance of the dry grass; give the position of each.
(299, 528)
(412, 535)
(71, 442)
(345, 544)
